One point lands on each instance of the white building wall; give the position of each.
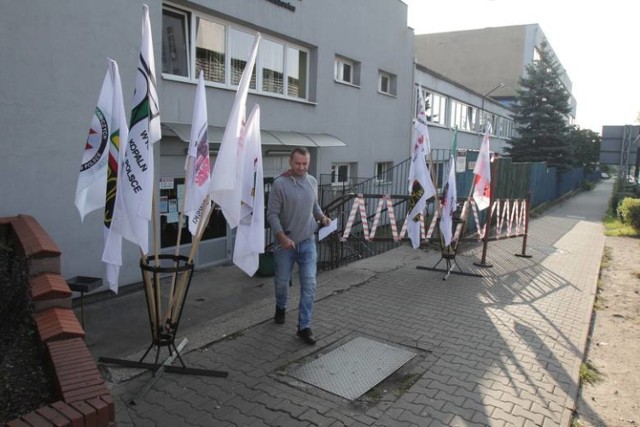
(54, 57)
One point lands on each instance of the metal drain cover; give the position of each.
(353, 368)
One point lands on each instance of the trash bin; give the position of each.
(265, 264)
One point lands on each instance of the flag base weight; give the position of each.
(448, 254)
(156, 270)
(450, 261)
(523, 255)
(483, 264)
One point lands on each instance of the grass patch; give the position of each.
(605, 263)
(589, 373)
(614, 227)
(599, 303)
(575, 421)
(607, 256)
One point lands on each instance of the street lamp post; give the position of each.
(484, 97)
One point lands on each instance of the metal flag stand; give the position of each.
(163, 332)
(448, 254)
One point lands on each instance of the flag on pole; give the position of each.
(250, 233)
(198, 167)
(482, 171)
(92, 180)
(420, 185)
(138, 164)
(449, 196)
(118, 132)
(226, 179)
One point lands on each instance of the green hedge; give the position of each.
(629, 212)
(616, 199)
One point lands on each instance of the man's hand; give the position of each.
(325, 221)
(285, 242)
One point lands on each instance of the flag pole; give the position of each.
(449, 249)
(178, 239)
(466, 207)
(156, 310)
(154, 220)
(180, 291)
(437, 196)
(487, 226)
(184, 201)
(150, 304)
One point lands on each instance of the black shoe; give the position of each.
(306, 335)
(280, 315)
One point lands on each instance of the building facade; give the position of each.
(329, 77)
(451, 105)
(619, 148)
(481, 59)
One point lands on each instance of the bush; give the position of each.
(616, 199)
(587, 185)
(629, 212)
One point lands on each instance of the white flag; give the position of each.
(226, 178)
(198, 168)
(92, 180)
(250, 233)
(112, 254)
(449, 196)
(482, 171)
(138, 173)
(420, 185)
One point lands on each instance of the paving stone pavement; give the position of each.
(503, 349)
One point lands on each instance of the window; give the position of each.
(239, 47)
(505, 128)
(463, 116)
(171, 193)
(435, 107)
(272, 64)
(221, 50)
(347, 71)
(340, 173)
(494, 124)
(210, 50)
(175, 59)
(297, 61)
(384, 83)
(491, 118)
(383, 172)
(387, 83)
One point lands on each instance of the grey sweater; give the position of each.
(293, 207)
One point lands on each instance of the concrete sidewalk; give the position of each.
(503, 349)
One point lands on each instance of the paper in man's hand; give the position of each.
(326, 230)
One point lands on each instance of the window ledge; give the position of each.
(390, 95)
(346, 83)
(187, 80)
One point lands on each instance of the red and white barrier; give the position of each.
(358, 205)
(509, 213)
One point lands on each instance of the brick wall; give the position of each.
(85, 399)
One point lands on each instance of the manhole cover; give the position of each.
(353, 368)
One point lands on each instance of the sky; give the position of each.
(597, 42)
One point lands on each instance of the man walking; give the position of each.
(293, 212)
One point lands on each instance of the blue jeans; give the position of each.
(305, 255)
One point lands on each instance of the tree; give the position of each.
(585, 145)
(540, 115)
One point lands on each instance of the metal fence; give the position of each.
(510, 181)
